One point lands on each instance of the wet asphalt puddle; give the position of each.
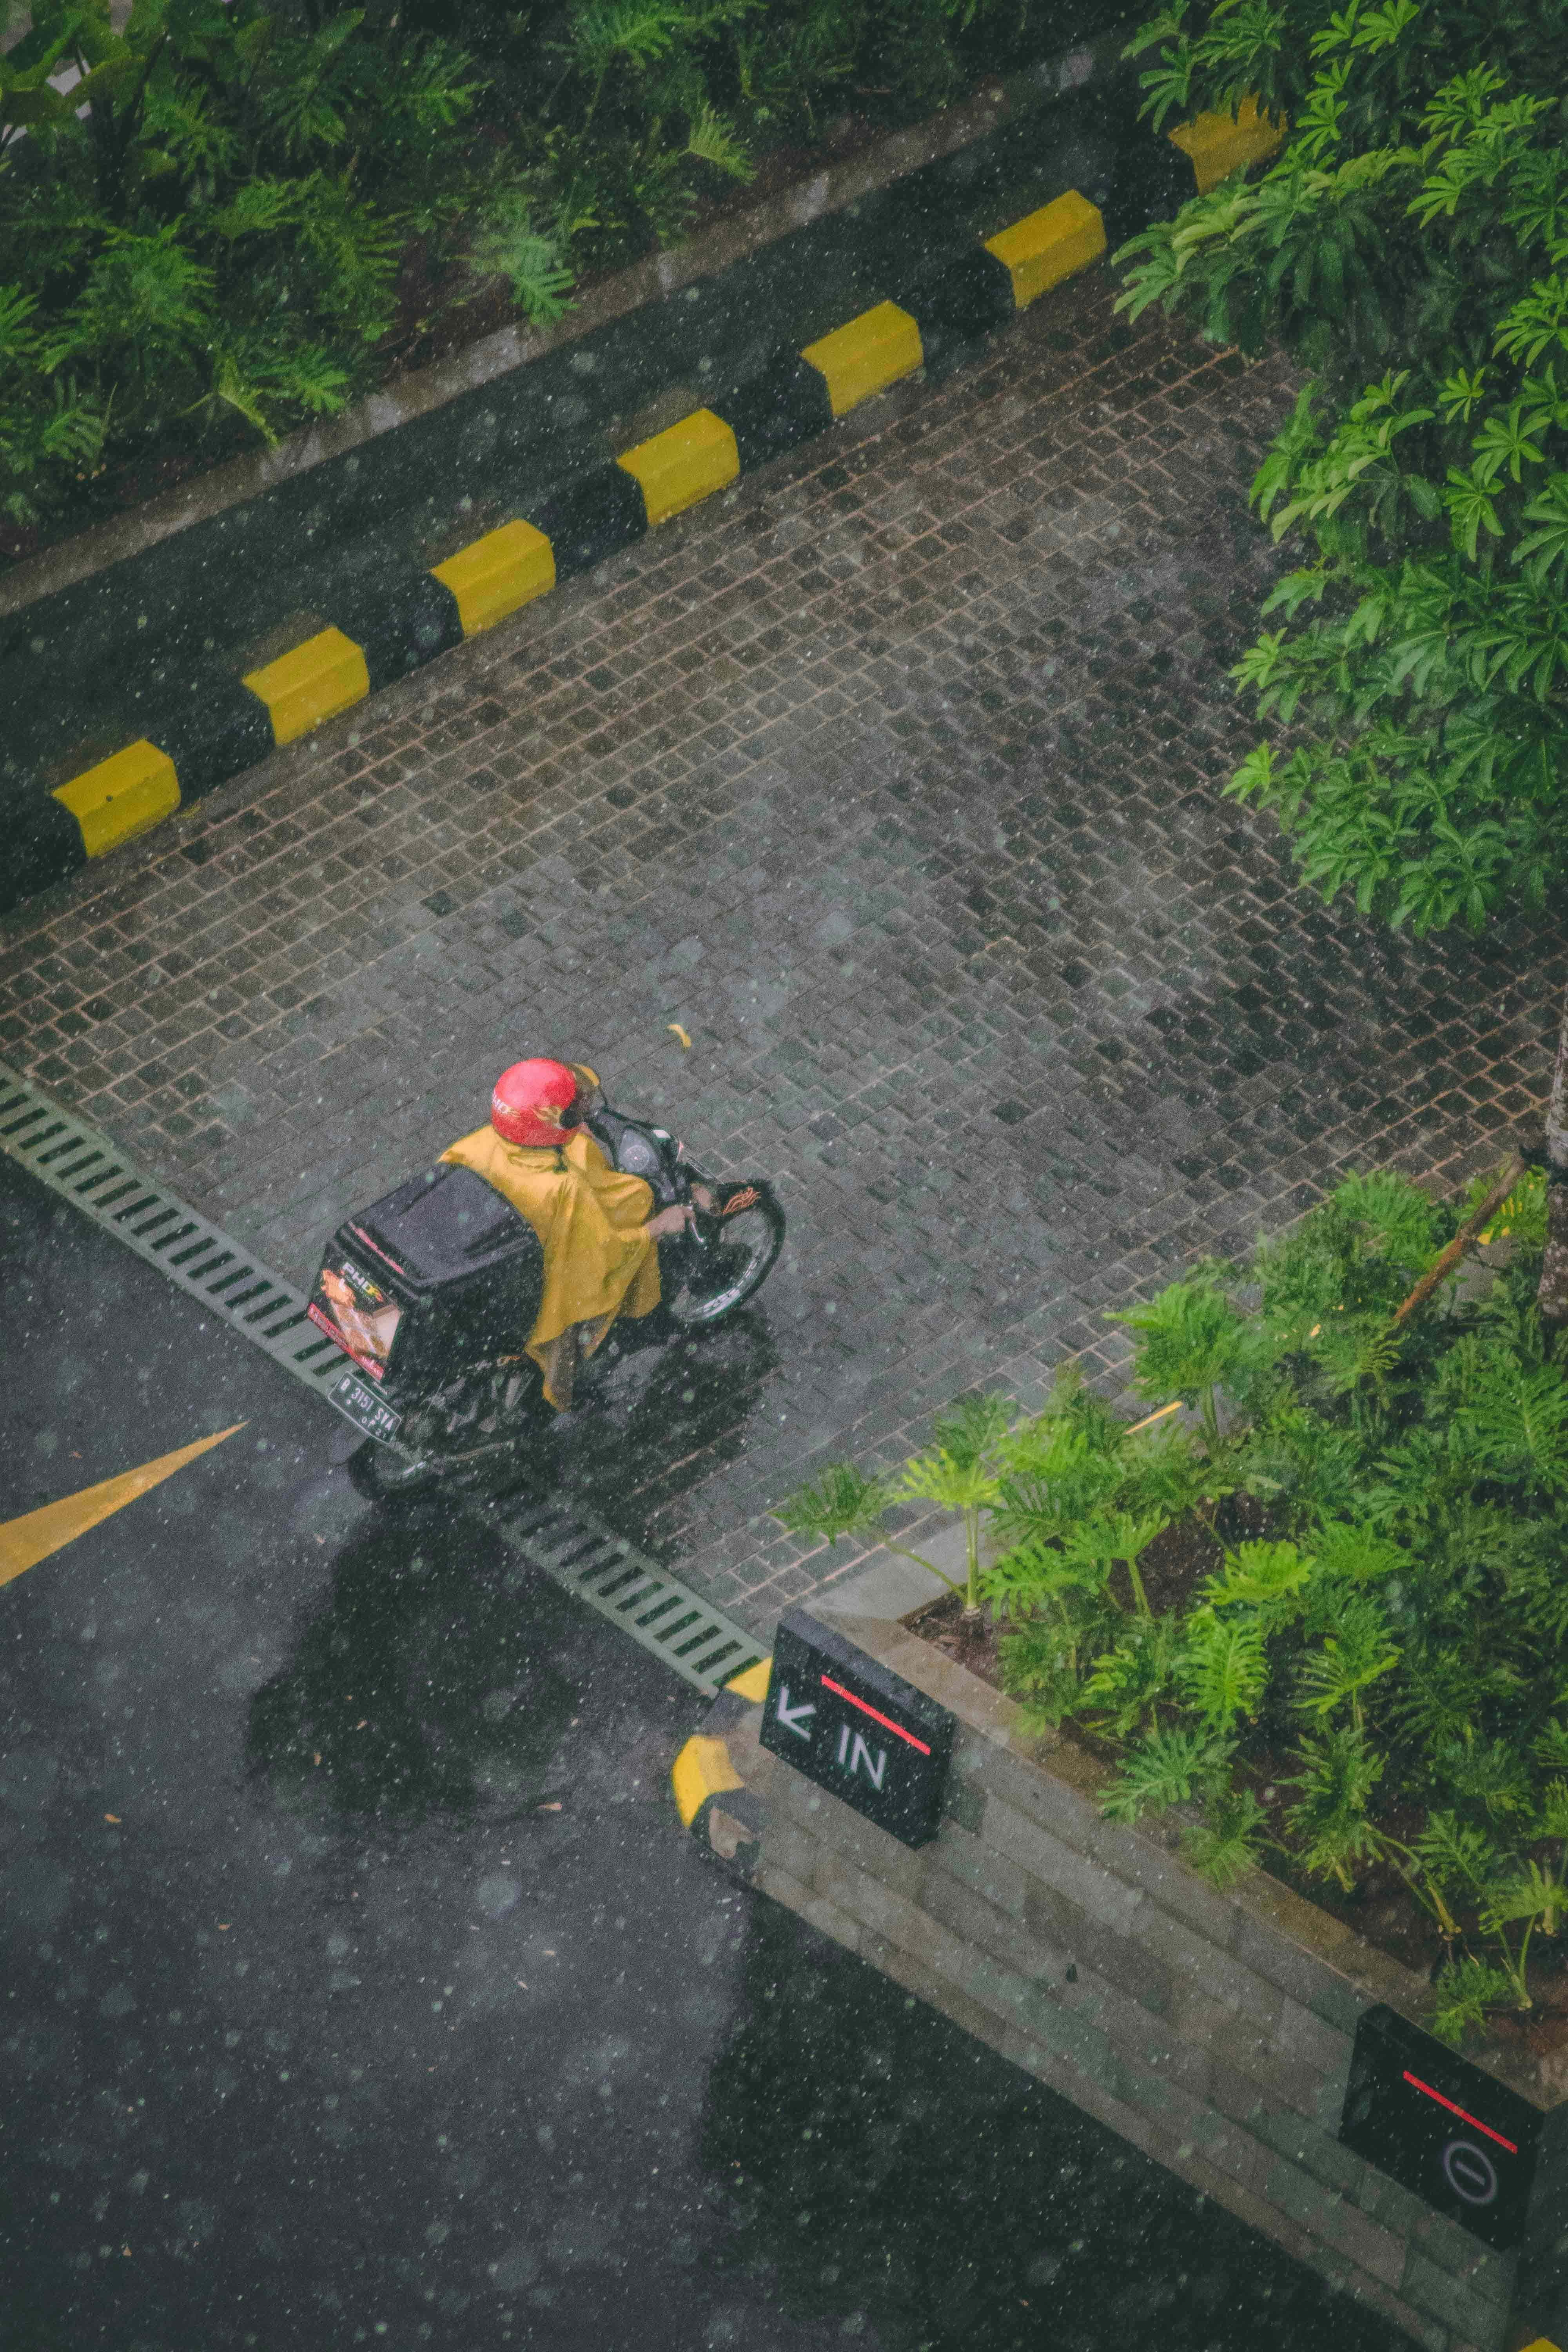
(361, 1988)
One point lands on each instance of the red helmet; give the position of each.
(532, 1103)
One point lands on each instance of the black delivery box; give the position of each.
(441, 1274)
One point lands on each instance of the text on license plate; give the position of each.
(364, 1409)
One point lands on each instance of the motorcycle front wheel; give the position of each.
(712, 1281)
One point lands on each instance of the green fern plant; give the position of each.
(1357, 1653)
(1225, 1845)
(1397, 1623)
(1190, 1339)
(1331, 1825)
(958, 1473)
(1043, 1674)
(1223, 1668)
(510, 243)
(1108, 1540)
(1168, 1765)
(1272, 1578)
(1468, 1992)
(1128, 1682)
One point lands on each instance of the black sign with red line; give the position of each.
(1455, 2135)
(856, 1728)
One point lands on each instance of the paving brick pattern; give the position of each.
(894, 776)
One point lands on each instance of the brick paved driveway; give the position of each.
(895, 778)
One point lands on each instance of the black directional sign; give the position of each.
(1441, 2126)
(853, 1726)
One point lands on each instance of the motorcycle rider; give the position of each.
(599, 1235)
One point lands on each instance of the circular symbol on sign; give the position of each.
(1470, 2173)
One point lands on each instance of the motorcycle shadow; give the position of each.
(662, 1411)
(421, 1688)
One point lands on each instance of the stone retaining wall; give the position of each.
(1213, 2030)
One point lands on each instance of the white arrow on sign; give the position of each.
(793, 1719)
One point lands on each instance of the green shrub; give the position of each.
(1407, 246)
(1381, 1512)
(203, 239)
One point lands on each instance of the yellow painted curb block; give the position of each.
(1215, 146)
(312, 683)
(1046, 246)
(752, 1686)
(1542, 2344)
(702, 1769)
(121, 796)
(690, 461)
(871, 352)
(494, 575)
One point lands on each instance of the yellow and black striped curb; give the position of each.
(711, 1797)
(223, 723)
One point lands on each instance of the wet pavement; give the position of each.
(361, 1986)
(894, 777)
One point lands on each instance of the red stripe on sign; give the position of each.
(1464, 2117)
(885, 1720)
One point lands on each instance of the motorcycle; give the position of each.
(431, 1290)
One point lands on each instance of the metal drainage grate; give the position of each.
(572, 1546)
(84, 1167)
(661, 1615)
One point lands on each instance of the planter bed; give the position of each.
(1383, 1911)
(1213, 2030)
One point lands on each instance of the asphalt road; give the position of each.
(361, 1988)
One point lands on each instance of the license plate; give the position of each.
(365, 1410)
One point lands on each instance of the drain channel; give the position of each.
(572, 1546)
(85, 1169)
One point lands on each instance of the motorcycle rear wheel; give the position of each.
(381, 1475)
(464, 1425)
(716, 1282)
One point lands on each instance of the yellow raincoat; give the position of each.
(598, 1261)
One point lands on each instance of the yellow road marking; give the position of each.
(26, 1541)
(701, 1769)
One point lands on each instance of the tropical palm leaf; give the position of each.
(974, 1430)
(1468, 1992)
(1188, 1339)
(1163, 1771)
(1129, 1681)
(1224, 1668)
(1490, 1773)
(1519, 1427)
(532, 261)
(1350, 1553)
(1263, 1576)
(841, 1501)
(1224, 1846)
(713, 140)
(1532, 1894)
(1360, 1652)
(1459, 1856)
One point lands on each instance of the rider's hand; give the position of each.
(669, 1221)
